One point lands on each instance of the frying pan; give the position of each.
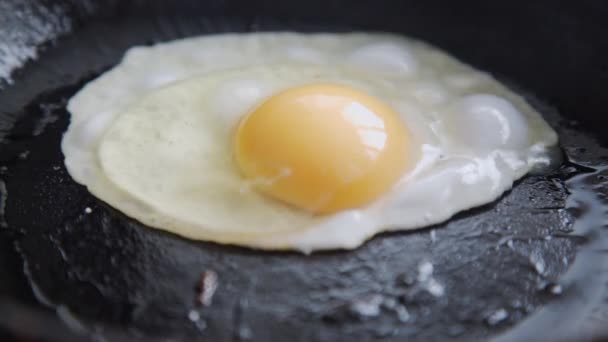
(529, 266)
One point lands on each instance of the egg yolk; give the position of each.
(322, 147)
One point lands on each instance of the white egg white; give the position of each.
(153, 136)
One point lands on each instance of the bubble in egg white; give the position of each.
(231, 99)
(384, 57)
(464, 81)
(486, 122)
(156, 80)
(304, 54)
(91, 130)
(134, 55)
(417, 120)
(430, 93)
(419, 196)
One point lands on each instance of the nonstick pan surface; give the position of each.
(530, 265)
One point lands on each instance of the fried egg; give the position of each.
(298, 141)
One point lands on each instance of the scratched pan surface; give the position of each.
(74, 268)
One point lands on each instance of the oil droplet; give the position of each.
(538, 263)
(367, 307)
(194, 316)
(497, 317)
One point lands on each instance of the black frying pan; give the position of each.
(529, 266)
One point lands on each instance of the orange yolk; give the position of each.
(322, 148)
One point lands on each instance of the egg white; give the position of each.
(153, 136)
